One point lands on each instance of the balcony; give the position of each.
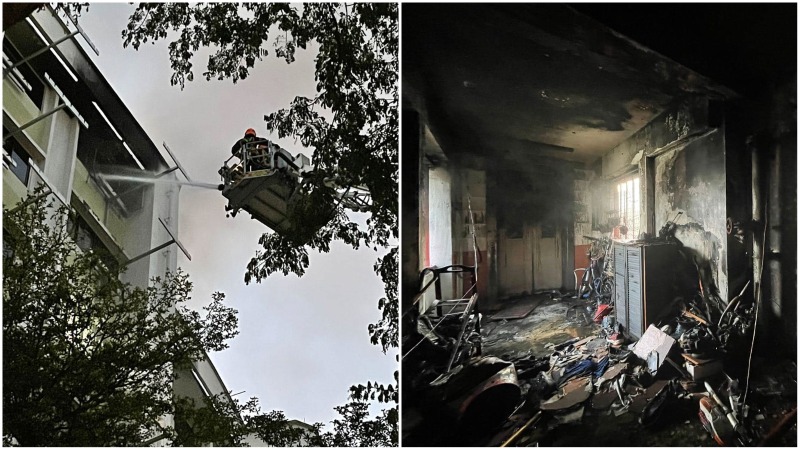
(18, 109)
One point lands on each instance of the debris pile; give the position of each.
(678, 365)
(689, 371)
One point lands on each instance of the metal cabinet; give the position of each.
(644, 283)
(620, 285)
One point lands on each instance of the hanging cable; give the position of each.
(758, 304)
(472, 230)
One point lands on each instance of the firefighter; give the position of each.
(249, 136)
(257, 155)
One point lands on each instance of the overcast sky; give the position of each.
(303, 341)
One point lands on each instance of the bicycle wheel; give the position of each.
(606, 289)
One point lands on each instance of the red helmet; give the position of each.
(250, 132)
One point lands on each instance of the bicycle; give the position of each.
(597, 281)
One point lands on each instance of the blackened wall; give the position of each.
(763, 126)
(783, 238)
(774, 133)
(411, 199)
(738, 184)
(690, 179)
(531, 196)
(536, 196)
(682, 153)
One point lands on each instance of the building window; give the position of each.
(88, 241)
(25, 79)
(626, 201)
(18, 160)
(98, 150)
(8, 250)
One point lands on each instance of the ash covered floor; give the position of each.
(586, 386)
(547, 323)
(557, 321)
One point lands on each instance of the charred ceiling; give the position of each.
(745, 46)
(531, 84)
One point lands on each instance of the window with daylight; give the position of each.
(626, 202)
(18, 160)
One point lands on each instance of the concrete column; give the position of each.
(142, 235)
(647, 217)
(440, 228)
(773, 247)
(50, 100)
(62, 146)
(410, 223)
(165, 206)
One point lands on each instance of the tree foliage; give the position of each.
(351, 122)
(87, 359)
(355, 428)
(90, 361)
(224, 422)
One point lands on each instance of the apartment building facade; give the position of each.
(64, 126)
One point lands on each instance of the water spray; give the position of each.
(156, 180)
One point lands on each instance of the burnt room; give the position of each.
(599, 225)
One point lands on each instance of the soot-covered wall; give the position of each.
(680, 156)
(691, 179)
(770, 123)
(526, 199)
(531, 196)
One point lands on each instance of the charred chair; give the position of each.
(460, 394)
(452, 323)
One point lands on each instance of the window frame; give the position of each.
(626, 202)
(22, 161)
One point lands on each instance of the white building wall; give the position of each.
(165, 207)
(62, 146)
(138, 239)
(55, 160)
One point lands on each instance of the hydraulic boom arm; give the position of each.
(265, 180)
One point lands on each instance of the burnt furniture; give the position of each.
(460, 316)
(644, 283)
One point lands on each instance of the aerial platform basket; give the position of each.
(263, 183)
(265, 194)
(267, 181)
